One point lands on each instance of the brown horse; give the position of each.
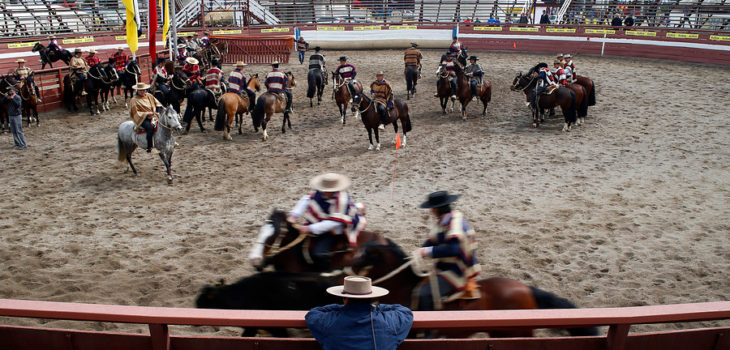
(392, 269)
(371, 118)
(411, 74)
(269, 103)
(443, 89)
(282, 245)
(341, 94)
(581, 101)
(563, 97)
(234, 106)
(587, 83)
(463, 91)
(30, 102)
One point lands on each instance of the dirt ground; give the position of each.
(629, 209)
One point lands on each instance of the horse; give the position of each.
(70, 93)
(281, 245)
(230, 106)
(267, 104)
(128, 139)
(198, 100)
(443, 89)
(5, 82)
(215, 50)
(562, 96)
(50, 56)
(114, 82)
(315, 83)
(371, 118)
(30, 101)
(411, 73)
(95, 78)
(104, 83)
(581, 100)
(341, 94)
(179, 86)
(389, 267)
(131, 75)
(587, 83)
(463, 90)
(270, 291)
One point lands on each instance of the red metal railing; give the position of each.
(158, 319)
(257, 49)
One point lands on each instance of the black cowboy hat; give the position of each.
(160, 60)
(473, 58)
(317, 48)
(414, 44)
(439, 199)
(343, 58)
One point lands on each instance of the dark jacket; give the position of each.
(616, 22)
(545, 19)
(629, 21)
(348, 327)
(14, 105)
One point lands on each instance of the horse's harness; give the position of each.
(186, 82)
(528, 83)
(276, 247)
(370, 104)
(136, 72)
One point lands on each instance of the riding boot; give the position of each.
(474, 93)
(149, 141)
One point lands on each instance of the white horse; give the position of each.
(128, 140)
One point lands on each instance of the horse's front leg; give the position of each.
(370, 137)
(377, 139)
(444, 102)
(168, 165)
(199, 115)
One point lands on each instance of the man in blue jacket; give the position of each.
(358, 324)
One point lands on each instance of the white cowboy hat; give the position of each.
(560, 55)
(567, 55)
(275, 63)
(330, 182)
(141, 86)
(191, 60)
(120, 48)
(181, 46)
(51, 36)
(240, 64)
(92, 51)
(357, 287)
(20, 60)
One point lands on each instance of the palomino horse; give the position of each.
(282, 245)
(392, 269)
(371, 118)
(269, 103)
(443, 89)
(411, 73)
(341, 94)
(30, 101)
(463, 91)
(234, 106)
(315, 83)
(563, 97)
(50, 56)
(128, 139)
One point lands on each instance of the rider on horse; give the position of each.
(237, 83)
(545, 80)
(91, 59)
(382, 94)
(120, 60)
(475, 73)
(570, 65)
(452, 246)
(447, 64)
(455, 47)
(24, 76)
(302, 47)
(317, 61)
(79, 67)
(192, 44)
(192, 71)
(348, 73)
(182, 53)
(214, 78)
(329, 211)
(413, 57)
(558, 74)
(142, 108)
(276, 82)
(53, 44)
(205, 40)
(161, 77)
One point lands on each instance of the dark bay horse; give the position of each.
(581, 100)
(391, 268)
(270, 291)
(198, 100)
(93, 85)
(411, 74)
(179, 87)
(130, 76)
(315, 83)
(587, 83)
(50, 56)
(341, 94)
(463, 91)
(443, 89)
(30, 101)
(563, 97)
(371, 118)
(269, 103)
(70, 93)
(281, 245)
(114, 82)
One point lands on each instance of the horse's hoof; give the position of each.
(377, 148)
(370, 148)
(169, 180)
(534, 125)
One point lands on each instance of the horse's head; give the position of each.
(255, 82)
(271, 238)
(375, 259)
(356, 101)
(171, 119)
(519, 82)
(134, 67)
(37, 47)
(291, 82)
(223, 47)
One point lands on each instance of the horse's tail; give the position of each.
(592, 95)
(570, 115)
(258, 111)
(547, 300)
(188, 116)
(311, 82)
(122, 149)
(220, 116)
(583, 108)
(407, 125)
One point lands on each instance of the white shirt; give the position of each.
(319, 227)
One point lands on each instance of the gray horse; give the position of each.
(128, 140)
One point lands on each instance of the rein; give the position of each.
(528, 84)
(126, 69)
(291, 244)
(172, 82)
(391, 274)
(366, 108)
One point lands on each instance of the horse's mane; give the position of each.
(278, 217)
(391, 246)
(537, 68)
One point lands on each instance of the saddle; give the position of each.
(550, 90)
(140, 131)
(280, 97)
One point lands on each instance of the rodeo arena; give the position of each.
(365, 174)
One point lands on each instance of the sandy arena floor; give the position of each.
(629, 209)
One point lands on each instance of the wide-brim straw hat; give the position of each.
(567, 55)
(20, 60)
(240, 64)
(141, 86)
(120, 48)
(51, 36)
(191, 60)
(439, 199)
(357, 287)
(181, 46)
(275, 63)
(330, 182)
(92, 51)
(380, 73)
(560, 55)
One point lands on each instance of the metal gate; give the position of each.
(257, 50)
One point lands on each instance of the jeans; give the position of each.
(322, 247)
(425, 299)
(288, 99)
(251, 98)
(301, 56)
(383, 113)
(16, 128)
(147, 126)
(165, 90)
(81, 76)
(351, 87)
(473, 86)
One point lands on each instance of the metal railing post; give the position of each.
(160, 336)
(616, 338)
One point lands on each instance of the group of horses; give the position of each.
(296, 283)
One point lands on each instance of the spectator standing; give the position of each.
(523, 18)
(629, 21)
(544, 19)
(15, 118)
(616, 21)
(358, 324)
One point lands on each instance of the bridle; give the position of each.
(186, 82)
(162, 123)
(136, 72)
(520, 82)
(370, 104)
